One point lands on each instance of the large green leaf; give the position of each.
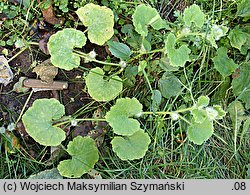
(84, 156)
(132, 147)
(120, 116)
(169, 85)
(193, 14)
(177, 57)
(200, 132)
(99, 20)
(102, 89)
(243, 8)
(145, 16)
(238, 38)
(223, 63)
(241, 85)
(38, 122)
(61, 46)
(119, 50)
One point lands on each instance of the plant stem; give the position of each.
(84, 55)
(166, 112)
(26, 103)
(78, 120)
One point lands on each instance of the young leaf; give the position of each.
(220, 111)
(199, 115)
(101, 89)
(238, 38)
(145, 16)
(99, 20)
(132, 147)
(241, 85)
(223, 63)
(193, 14)
(203, 101)
(84, 156)
(169, 85)
(177, 57)
(38, 122)
(60, 46)
(119, 50)
(120, 116)
(200, 132)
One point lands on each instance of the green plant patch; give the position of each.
(99, 20)
(120, 116)
(177, 57)
(238, 38)
(131, 147)
(100, 88)
(38, 122)
(61, 46)
(84, 156)
(145, 16)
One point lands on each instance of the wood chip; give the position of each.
(38, 84)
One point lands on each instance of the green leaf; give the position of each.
(193, 14)
(169, 85)
(132, 147)
(145, 16)
(241, 85)
(198, 133)
(47, 174)
(243, 8)
(38, 122)
(142, 65)
(101, 89)
(99, 20)
(222, 63)
(177, 57)
(237, 112)
(248, 172)
(61, 47)
(119, 50)
(84, 156)
(199, 115)
(203, 101)
(220, 111)
(156, 100)
(120, 116)
(238, 38)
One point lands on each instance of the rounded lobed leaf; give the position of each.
(200, 132)
(99, 20)
(61, 46)
(177, 57)
(101, 89)
(203, 101)
(120, 116)
(145, 16)
(132, 147)
(84, 156)
(38, 122)
(193, 14)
